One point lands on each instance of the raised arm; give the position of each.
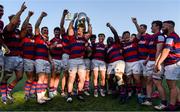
(25, 24)
(117, 40)
(14, 21)
(88, 35)
(37, 29)
(65, 12)
(134, 20)
(71, 28)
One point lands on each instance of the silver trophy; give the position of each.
(81, 19)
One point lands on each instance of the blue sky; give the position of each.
(117, 12)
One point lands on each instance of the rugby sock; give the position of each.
(138, 88)
(69, 94)
(178, 103)
(102, 87)
(45, 86)
(164, 102)
(122, 89)
(39, 90)
(171, 107)
(95, 88)
(80, 92)
(86, 85)
(10, 88)
(33, 87)
(3, 89)
(55, 89)
(129, 89)
(110, 83)
(134, 88)
(144, 90)
(51, 89)
(149, 99)
(27, 87)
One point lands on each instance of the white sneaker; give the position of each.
(10, 98)
(51, 94)
(109, 92)
(39, 98)
(41, 101)
(95, 93)
(46, 98)
(63, 94)
(147, 103)
(87, 93)
(102, 93)
(4, 100)
(160, 107)
(55, 93)
(69, 99)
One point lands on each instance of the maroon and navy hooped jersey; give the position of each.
(41, 48)
(114, 53)
(13, 41)
(77, 47)
(28, 46)
(130, 51)
(143, 46)
(99, 51)
(57, 51)
(173, 43)
(154, 40)
(66, 44)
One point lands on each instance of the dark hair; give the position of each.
(44, 28)
(144, 26)
(81, 25)
(1, 6)
(125, 33)
(158, 23)
(93, 36)
(133, 34)
(29, 24)
(57, 28)
(170, 22)
(101, 34)
(11, 16)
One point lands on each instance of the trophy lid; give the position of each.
(82, 15)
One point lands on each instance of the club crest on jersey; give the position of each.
(100, 48)
(151, 43)
(80, 41)
(129, 46)
(142, 42)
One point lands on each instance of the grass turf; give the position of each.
(108, 103)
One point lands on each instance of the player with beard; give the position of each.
(28, 49)
(42, 60)
(171, 59)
